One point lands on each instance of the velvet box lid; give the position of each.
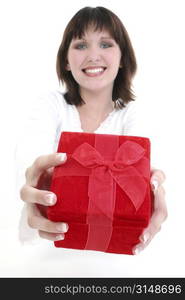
(103, 191)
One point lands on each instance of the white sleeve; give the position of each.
(38, 137)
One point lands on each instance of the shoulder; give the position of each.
(130, 110)
(53, 98)
(131, 107)
(134, 121)
(51, 103)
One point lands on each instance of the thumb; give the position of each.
(41, 164)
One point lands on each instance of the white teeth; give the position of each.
(98, 70)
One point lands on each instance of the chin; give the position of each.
(96, 86)
(94, 89)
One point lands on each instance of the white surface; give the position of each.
(161, 259)
(30, 35)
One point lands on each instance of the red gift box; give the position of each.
(103, 191)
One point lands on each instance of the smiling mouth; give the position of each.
(92, 72)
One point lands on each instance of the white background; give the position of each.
(30, 34)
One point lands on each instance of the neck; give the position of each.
(97, 104)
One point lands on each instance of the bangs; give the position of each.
(96, 18)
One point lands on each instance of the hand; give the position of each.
(36, 191)
(159, 214)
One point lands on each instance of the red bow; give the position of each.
(128, 170)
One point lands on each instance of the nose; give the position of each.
(93, 54)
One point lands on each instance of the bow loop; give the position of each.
(129, 153)
(87, 156)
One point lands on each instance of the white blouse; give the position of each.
(51, 116)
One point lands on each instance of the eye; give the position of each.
(106, 45)
(80, 46)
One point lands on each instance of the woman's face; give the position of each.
(94, 60)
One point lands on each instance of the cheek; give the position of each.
(75, 60)
(114, 58)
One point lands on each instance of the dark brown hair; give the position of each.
(101, 19)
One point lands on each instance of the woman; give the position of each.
(96, 62)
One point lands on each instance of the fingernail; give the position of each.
(154, 184)
(50, 199)
(61, 156)
(59, 237)
(63, 227)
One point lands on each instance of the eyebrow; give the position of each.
(102, 38)
(106, 38)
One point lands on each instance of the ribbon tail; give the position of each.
(100, 216)
(101, 192)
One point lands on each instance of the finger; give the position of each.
(141, 246)
(51, 236)
(41, 164)
(159, 200)
(50, 170)
(37, 221)
(146, 238)
(30, 194)
(154, 227)
(157, 178)
(158, 217)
